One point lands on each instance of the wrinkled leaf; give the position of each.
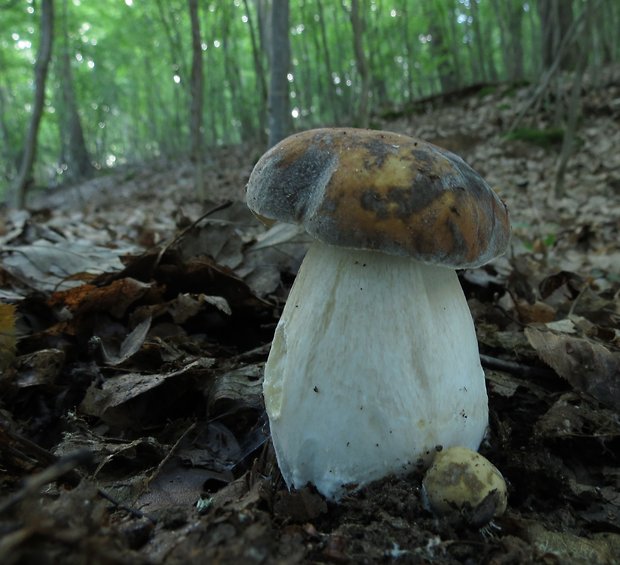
(47, 266)
(589, 367)
(108, 401)
(598, 548)
(8, 341)
(114, 298)
(130, 345)
(573, 417)
(39, 368)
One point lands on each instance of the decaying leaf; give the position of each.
(47, 266)
(114, 298)
(569, 548)
(130, 345)
(110, 401)
(8, 340)
(239, 389)
(589, 367)
(187, 305)
(39, 368)
(570, 416)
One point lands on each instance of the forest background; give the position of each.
(86, 86)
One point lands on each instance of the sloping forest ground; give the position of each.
(132, 428)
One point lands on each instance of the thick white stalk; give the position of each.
(374, 363)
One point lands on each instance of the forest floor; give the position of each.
(132, 428)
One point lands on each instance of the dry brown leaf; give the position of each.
(7, 335)
(588, 366)
(114, 298)
(539, 312)
(130, 345)
(110, 401)
(569, 548)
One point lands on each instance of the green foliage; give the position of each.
(131, 61)
(542, 137)
(486, 90)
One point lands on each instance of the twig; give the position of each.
(514, 368)
(35, 482)
(165, 460)
(184, 231)
(135, 513)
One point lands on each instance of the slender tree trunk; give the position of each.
(455, 47)
(196, 93)
(41, 67)
(322, 79)
(487, 38)
(279, 103)
(515, 38)
(503, 40)
(574, 106)
(242, 107)
(363, 111)
(438, 49)
(556, 18)
(408, 47)
(261, 83)
(168, 19)
(328, 63)
(5, 138)
(79, 164)
(478, 41)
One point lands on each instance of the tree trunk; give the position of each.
(438, 49)
(556, 18)
(5, 137)
(78, 161)
(363, 110)
(279, 103)
(261, 84)
(169, 19)
(487, 38)
(455, 46)
(196, 92)
(44, 54)
(479, 42)
(574, 106)
(506, 27)
(328, 63)
(243, 110)
(515, 39)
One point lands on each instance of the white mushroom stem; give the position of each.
(374, 363)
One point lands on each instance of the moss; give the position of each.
(542, 137)
(486, 90)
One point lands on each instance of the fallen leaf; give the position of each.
(588, 366)
(110, 400)
(130, 345)
(7, 335)
(48, 266)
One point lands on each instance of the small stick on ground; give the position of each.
(514, 368)
(55, 471)
(165, 460)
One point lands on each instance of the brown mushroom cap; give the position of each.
(382, 191)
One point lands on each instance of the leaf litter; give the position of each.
(132, 427)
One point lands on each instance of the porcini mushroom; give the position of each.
(375, 360)
(462, 485)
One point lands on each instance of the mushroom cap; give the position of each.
(382, 191)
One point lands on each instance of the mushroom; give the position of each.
(374, 361)
(462, 485)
